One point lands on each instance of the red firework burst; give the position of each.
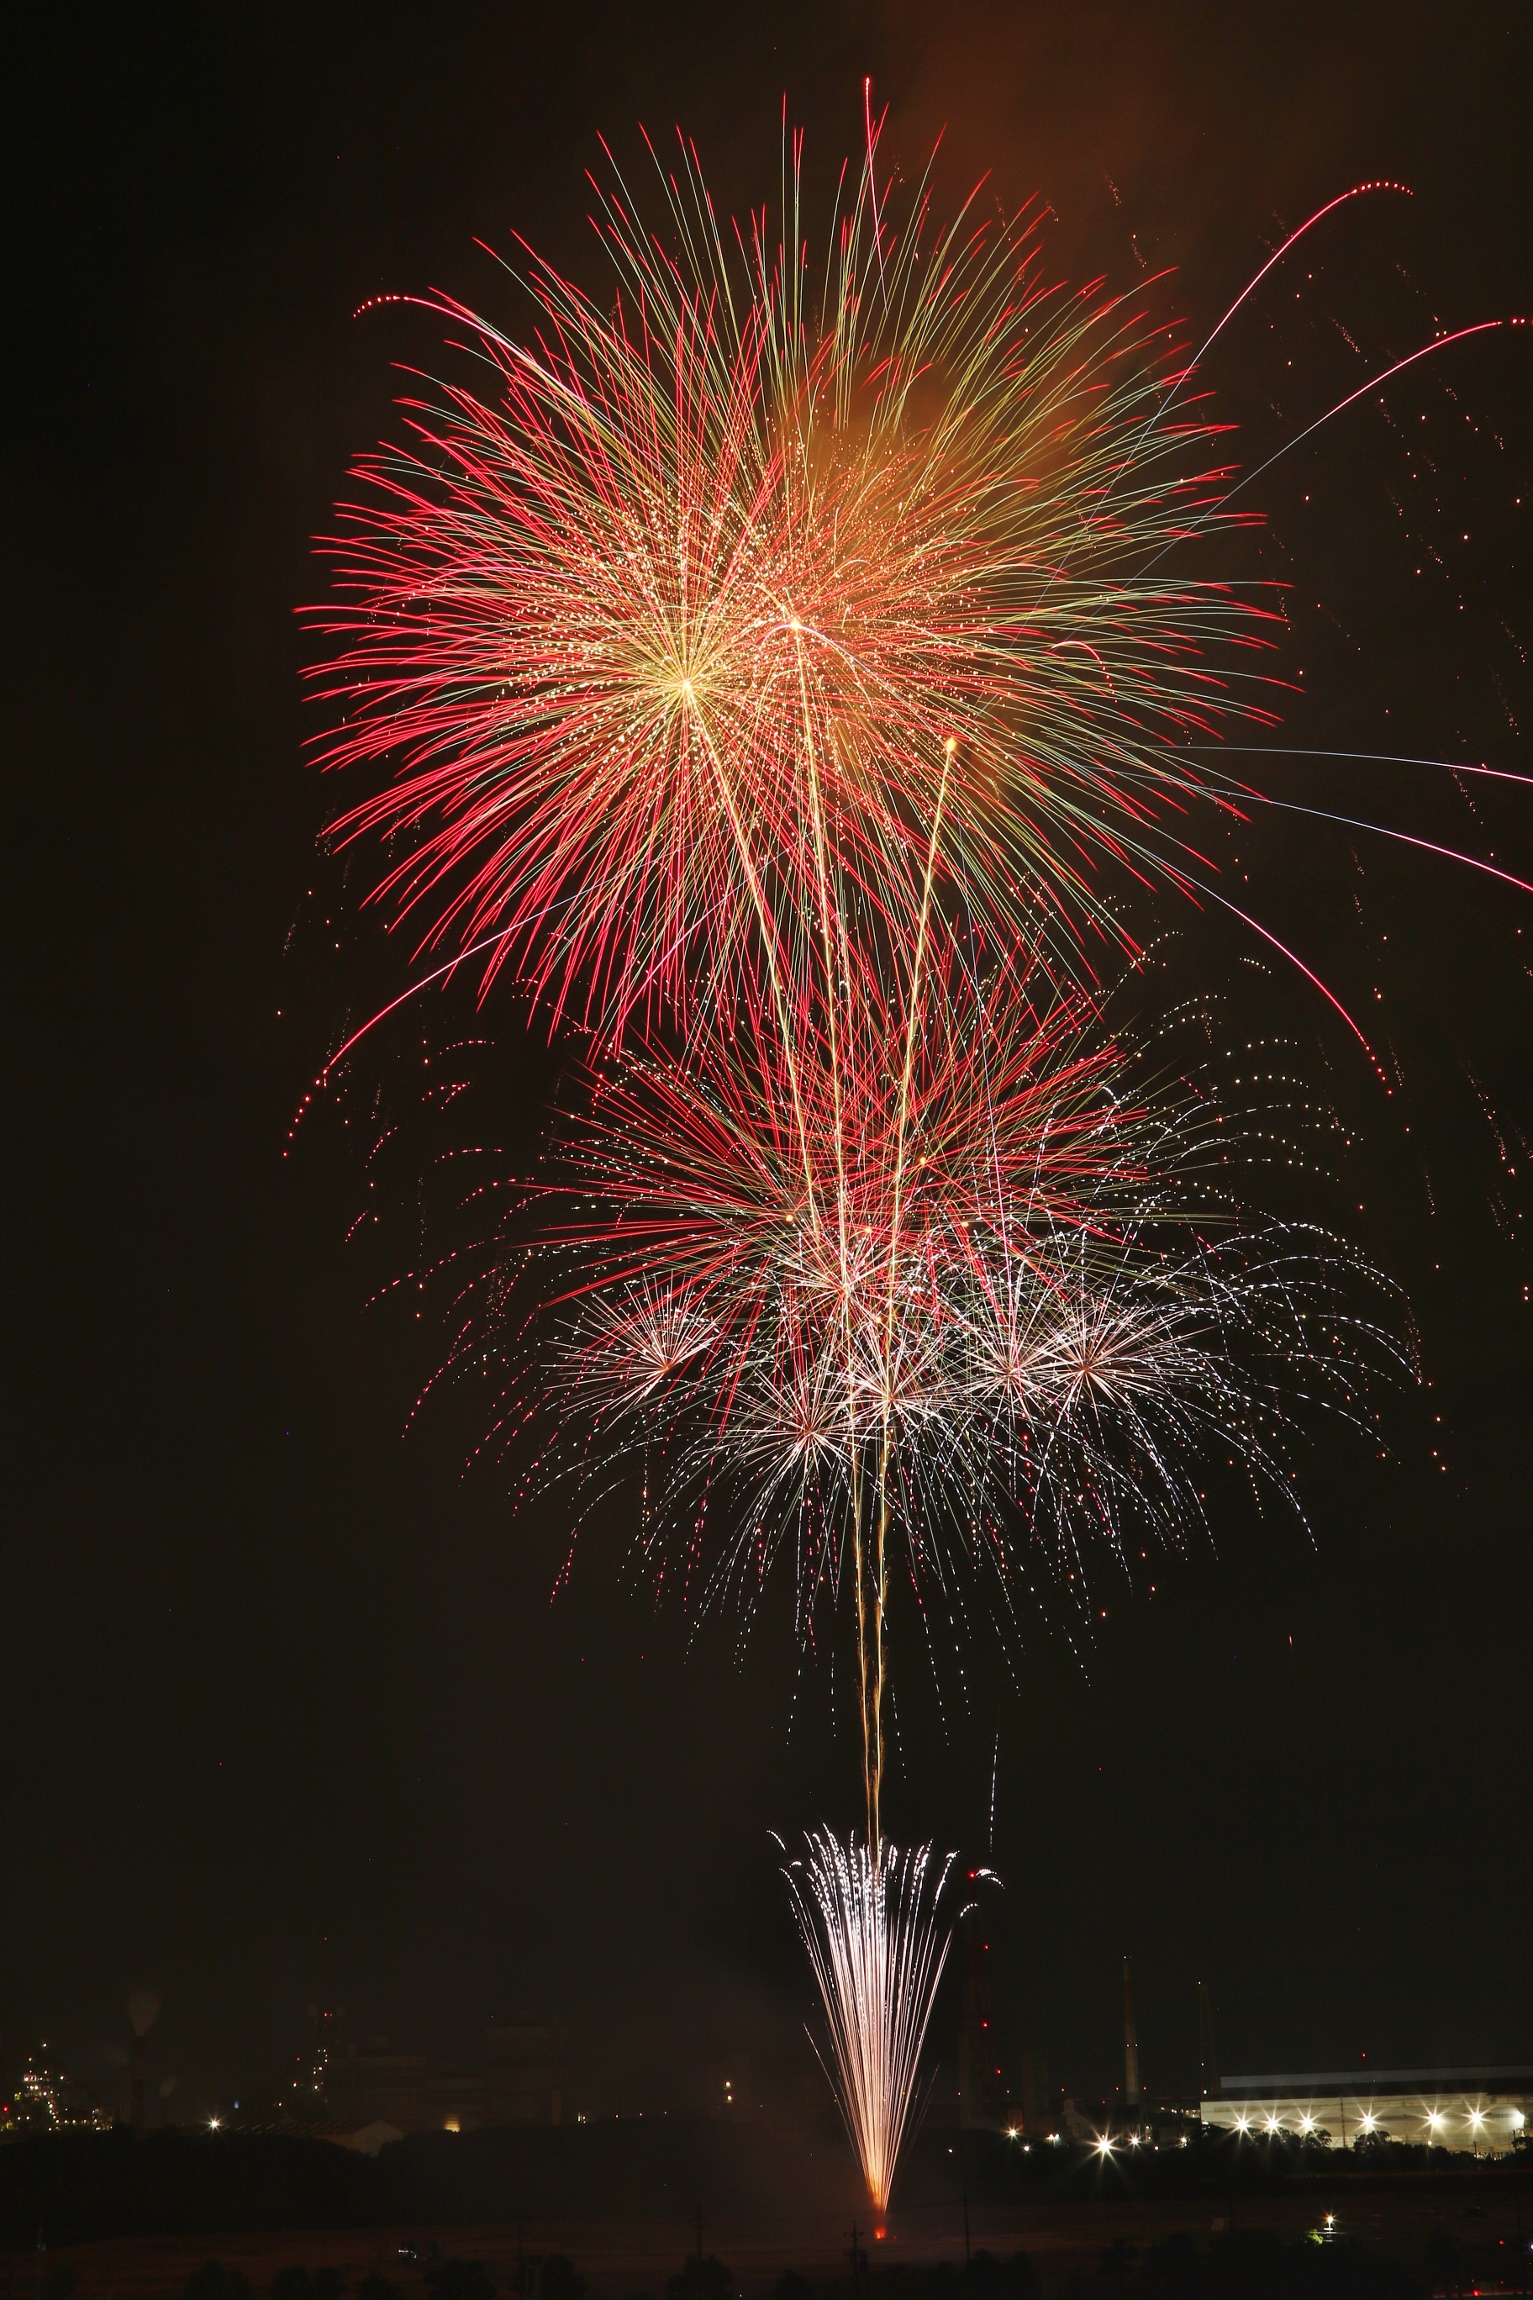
(729, 607)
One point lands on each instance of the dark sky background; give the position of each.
(288, 1715)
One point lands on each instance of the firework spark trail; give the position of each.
(870, 1925)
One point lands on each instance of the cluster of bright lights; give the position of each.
(49, 2097)
(1434, 2120)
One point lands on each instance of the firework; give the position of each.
(869, 1922)
(776, 665)
(770, 596)
(921, 1323)
(923, 1319)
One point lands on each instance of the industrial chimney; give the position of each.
(1208, 2064)
(1130, 2037)
(143, 2012)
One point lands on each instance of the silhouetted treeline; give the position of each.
(1253, 2266)
(1243, 2265)
(81, 2186)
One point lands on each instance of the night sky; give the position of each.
(289, 1717)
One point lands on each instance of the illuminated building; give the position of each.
(48, 2100)
(1477, 2110)
(306, 2095)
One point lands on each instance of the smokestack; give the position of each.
(1208, 2061)
(1130, 2037)
(978, 2085)
(143, 2012)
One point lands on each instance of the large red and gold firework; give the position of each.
(768, 590)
